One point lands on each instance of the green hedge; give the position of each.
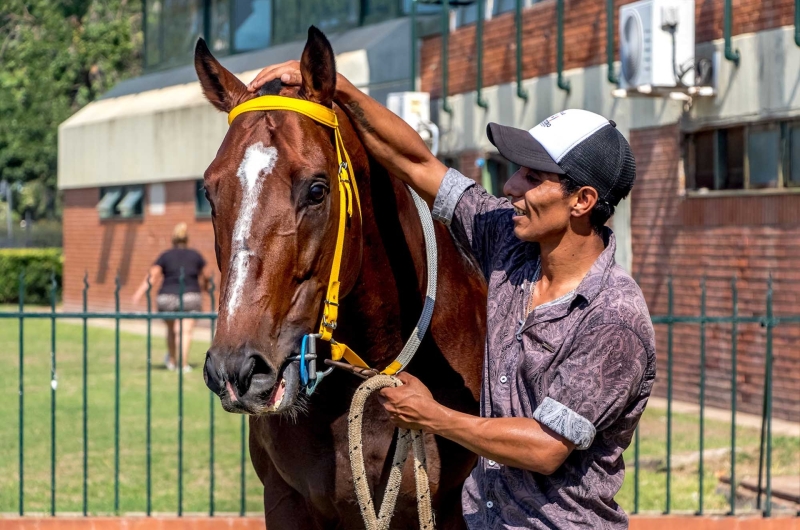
(39, 265)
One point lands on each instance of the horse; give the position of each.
(275, 221)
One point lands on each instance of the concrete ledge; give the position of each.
(257, 523)
(132, 523)
(671, 522)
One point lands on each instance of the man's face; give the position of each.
(541, 211)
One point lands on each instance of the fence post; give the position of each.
(148, 442)
(53, 386)
(212, 396)
(182, 286)
(702, 389)
(636, 473)
(669, 393)
(21, 393)
(242, 476)
(734, 376)
(766, 412)
(768, 390)
(116, 393)
(85, 398)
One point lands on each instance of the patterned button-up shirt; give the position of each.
(583, 366)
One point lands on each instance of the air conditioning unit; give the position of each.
(657, 44)
(415, 109)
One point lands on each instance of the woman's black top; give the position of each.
(171, 262)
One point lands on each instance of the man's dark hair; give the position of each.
(602, 211)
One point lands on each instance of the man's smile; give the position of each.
(519, 212)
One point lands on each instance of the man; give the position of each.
(570, 349)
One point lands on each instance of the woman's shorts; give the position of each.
(171, 302)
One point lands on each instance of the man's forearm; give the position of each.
(394, 144)
(515, 442)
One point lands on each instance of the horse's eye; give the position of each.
(316, 193)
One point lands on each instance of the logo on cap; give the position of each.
(546, 122)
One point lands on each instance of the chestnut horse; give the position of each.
(275, 219)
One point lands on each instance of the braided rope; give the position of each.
(405, 440)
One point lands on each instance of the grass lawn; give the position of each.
(197, 405)
(69, 442)
(685, 479)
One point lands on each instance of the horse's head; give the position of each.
(275, 210)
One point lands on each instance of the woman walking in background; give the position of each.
(167, 271)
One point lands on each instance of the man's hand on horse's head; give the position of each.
(288, 73)
(411, 405)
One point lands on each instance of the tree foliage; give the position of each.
(55, 57)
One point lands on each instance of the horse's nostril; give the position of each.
(210, 374)
(245, 374)
(254, 366)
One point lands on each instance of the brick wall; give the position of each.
(747, 236)
(584, 39)
(128, 247)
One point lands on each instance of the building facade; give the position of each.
(718, 177)
(717, 185)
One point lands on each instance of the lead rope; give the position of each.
(405, 439)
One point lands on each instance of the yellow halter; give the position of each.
(347, 191)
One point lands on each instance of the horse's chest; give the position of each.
(312, 457)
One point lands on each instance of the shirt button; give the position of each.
(503, 379)
(490, 505)
(491, 462)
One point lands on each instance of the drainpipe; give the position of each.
(521, 92)
(610, 21)
(413, 45)
(563, 84)
(731, 54)
(144, 35)
(797, 22)
(445, 36)
(482, 103)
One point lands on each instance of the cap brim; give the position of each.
(520, 147)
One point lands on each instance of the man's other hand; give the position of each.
(410, 406)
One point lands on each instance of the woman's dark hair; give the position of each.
(602, 211)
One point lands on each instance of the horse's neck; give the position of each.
(381, 310)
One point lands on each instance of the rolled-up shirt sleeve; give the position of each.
(481, 221)
(595, 384)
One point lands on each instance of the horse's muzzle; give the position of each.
(243, 379)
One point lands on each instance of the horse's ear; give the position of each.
(221, 88)
(318, 66)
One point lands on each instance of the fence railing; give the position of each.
(239, 454)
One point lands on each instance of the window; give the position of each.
(202, 208)
(500, 170)
(468, 14)
(232, 26)
(252, 22)
(751, 157)
(292, 18)
(121, 202)
(794, 155)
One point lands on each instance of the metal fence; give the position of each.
(768, 321)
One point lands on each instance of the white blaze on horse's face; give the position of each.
(257, 163)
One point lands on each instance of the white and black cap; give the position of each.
(579, 144)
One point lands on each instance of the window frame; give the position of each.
(784, 186)
(123, 191)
